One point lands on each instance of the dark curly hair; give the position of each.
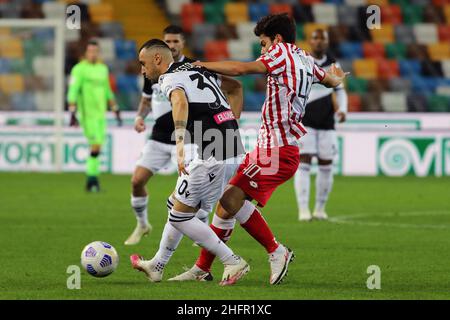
(274, 24)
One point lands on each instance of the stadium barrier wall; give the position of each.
(369, 144)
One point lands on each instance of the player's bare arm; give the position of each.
(144, 109)
(180, 112)
(334, 77)
(234, 68)
(235, 94)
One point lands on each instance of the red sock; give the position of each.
(258, 228)
(206, 259)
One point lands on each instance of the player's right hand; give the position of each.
(139, 125)
(73, 120)
(180, 160)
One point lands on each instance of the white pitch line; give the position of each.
(349, 219)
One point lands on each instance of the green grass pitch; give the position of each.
(400, 224)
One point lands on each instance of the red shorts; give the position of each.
(263, 170)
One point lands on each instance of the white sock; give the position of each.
(200, 233)
(139, 205)
(324, 182)
(170, 239)
(203, 216)
(224, 224)
(245, 212)
(302, 185)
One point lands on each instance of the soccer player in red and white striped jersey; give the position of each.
(290, 74)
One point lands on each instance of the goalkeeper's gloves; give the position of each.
(118, 117)
(73, 119)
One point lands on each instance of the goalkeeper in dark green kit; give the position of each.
(88, 97)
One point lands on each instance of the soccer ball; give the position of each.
(99, 259)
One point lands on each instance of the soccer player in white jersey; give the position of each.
(321, 141)
(290, 74)
(160, 148)
(202, 115)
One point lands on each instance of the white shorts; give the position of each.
(206, 181)
(322, 143)
(157, 155)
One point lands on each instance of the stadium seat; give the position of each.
(127, 83)
(309, 2)
(380, 3)
(43, 66)
(299, 33)
(373, 50)
(191, 14)
(245, 31)
(236, 12)
(5, 65)
(425, 33)
(371, 102)
(446, 68)
(248, 82)
(348, 15)
(351, 50)
(438, 103)
(11, 48)
(416, 102)
(216, 50)
(44, 100)
(356, 85)
(277, 8)
(444, 33)
(404, 34)
(395, 50)
(325, 13)
(357, 3)
(447, 13)
(354, 103)
(23, 101)
(101, 12)
(54, 10)
(112, 30)
(416, 51)
(174, 6)
(201, 33)
(409, 68)
(432, 68)
(253, 101)
(107, 48)
(394, 101)
(412, 14)
(425, 85)
(309, 28)
(400, 84)
(240, 50)
(383, 35)
(391, 14)
(213, 14)
(388, 69)
(439, 51)
(304, 45)
(365, 68)
(302, 13)
(256, 49)
(125, 49)
(12, 83)
(257, 11)
(443, 90)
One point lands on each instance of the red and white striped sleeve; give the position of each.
(319, 73)
(274, 60)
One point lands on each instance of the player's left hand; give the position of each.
(118, 118)
(341, 116)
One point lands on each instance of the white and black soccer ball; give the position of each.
(99, 259)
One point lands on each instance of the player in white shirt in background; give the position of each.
(321, 141)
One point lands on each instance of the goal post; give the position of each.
(13, 30)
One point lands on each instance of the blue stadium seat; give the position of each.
(125, 49)
(424, 85)
(351, 50)
(23, 102)
(5, 66)
(127, 83)
(258, 10)
(253, 101)
(409, 67)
